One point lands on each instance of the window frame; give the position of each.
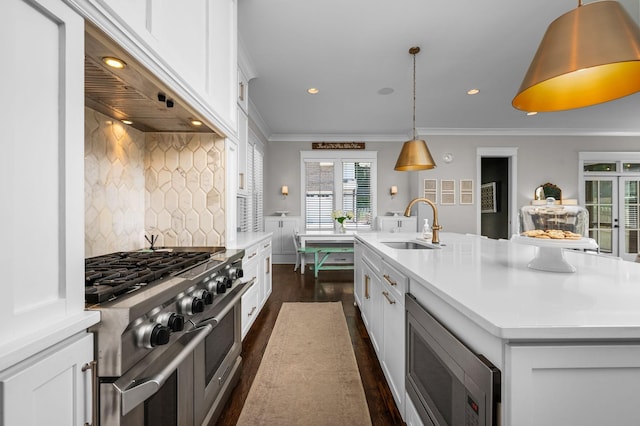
(337, 157)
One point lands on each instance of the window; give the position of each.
(250, 207)
(338, 181)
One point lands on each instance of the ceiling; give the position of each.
(354, 50)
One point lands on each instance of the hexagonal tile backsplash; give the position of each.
(136, 184)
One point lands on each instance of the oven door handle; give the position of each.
(133, 392)
(214, 321)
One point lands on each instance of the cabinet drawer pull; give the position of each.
(251, 255)
(390, 300)
(93, 366)
(389, 280)
(366, 286)
(252, 311)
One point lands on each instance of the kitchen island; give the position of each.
(567, 344)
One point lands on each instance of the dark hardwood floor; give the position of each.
(330, 286)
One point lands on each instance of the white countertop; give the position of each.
(246, 239)
(489, 282)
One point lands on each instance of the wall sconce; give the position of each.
(285, 191)
(393, 191)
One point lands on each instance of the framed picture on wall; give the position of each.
(466, 191)
(488, 198)
(430, 190)
(447, 192)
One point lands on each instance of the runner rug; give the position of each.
(308, 374)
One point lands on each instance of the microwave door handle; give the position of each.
(135, 392)
(216, 320)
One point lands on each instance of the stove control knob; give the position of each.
(191, 305)
(153, 334)
(236, 273)
(221, 285)
(205, 295)
(174, 321)
(160, 335)
(228, 282)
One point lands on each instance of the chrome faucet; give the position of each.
(436, 226)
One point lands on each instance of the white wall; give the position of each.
(282, 167)
(540, 159)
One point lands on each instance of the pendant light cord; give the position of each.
(414, 96)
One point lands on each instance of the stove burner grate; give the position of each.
(113, 274)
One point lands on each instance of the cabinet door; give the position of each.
(43, 175)
(371, 304)
(272, 225)
(50, 388)
(392, 359)
(243, 147)
(289, 226)
(590, 385)
(251, 299)
(265, 273)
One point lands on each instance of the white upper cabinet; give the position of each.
(42, 175)
(192, 43)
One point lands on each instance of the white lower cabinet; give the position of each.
(250, 264)
(380, 289)
(411, 416)
(256, 263)
(572, 384)
(50, 388)
(396, 224)
(265, 271)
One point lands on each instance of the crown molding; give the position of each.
(425, 132)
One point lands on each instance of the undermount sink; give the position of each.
(410, 245)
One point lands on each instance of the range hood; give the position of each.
(132, 93)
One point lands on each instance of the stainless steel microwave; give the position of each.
(448, 383)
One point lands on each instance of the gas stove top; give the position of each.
(115, 274)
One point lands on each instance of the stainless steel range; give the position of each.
(169, 340)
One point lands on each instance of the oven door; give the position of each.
(157, 390)
(217, 359)
(448, 383)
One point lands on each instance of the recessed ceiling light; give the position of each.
(385, 91)
(196, 122)
(114, 62)
(532, 113)
(127, 121)
(473, 91)
(312, 91)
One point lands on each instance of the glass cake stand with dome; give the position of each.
(558, 227)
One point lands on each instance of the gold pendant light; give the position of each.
(587, 56)
(415, 154)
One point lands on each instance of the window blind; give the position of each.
(357, 194)
(319, 194)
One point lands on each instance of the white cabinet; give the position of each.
(396, 224)
(42, 303)
(572, 384)
(195, 45)
(394, 286)
(243, 91)
(243, 149)
(256, 264)
(379, 291)
(265, 271)
(49, 388)
(251, 299)
(283, 230)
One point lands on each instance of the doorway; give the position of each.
(496, 170)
